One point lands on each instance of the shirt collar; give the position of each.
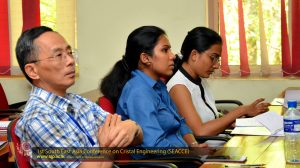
(51, 98)
(187, 75)
(151, 82)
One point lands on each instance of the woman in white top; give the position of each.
(201, 52)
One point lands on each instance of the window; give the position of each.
(57, 14)
(253, 31)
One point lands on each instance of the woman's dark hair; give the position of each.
(26, 51)
(141, 40)
(200, 39)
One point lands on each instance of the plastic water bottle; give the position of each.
(291, 122)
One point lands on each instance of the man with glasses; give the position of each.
(54, 118)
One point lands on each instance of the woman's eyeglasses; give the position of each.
(214, 59)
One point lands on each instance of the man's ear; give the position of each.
(145, 59)
(31, 71)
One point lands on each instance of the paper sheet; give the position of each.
(271, 120)
(277, 102)
(247, 122)
(269, 123)
(255, 131)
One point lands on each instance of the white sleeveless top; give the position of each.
(206, 111)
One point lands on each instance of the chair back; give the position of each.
(6, 109)
(21, 160)
(106, 104)
(3, 99)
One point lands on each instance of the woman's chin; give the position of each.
(205, 75)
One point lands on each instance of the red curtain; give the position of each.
(4, 39)
(31, 18)
(31, 14)
(224, 61)
(285, 51)
(244, 66)
(295, 37)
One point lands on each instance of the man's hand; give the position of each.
(117, 133)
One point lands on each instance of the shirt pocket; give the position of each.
(167, 119)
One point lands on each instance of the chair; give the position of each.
(106, 104)
(21, 160)
(7, 110)
(224, 106)
(202, 139)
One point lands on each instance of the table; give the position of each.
(258, 149)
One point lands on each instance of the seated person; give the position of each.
(54, 118)
(201, 52)
(135, 88)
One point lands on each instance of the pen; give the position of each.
(247, 165)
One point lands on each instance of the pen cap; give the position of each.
(292, 104)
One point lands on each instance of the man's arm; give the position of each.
(116, 133)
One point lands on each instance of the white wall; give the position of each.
(103, 26)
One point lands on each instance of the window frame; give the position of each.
(212, 21)
(15, 27)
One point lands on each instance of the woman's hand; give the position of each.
(255, 108)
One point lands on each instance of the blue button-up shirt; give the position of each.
(148, 103)
(45, 123)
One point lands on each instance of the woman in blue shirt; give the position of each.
(135, 88)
